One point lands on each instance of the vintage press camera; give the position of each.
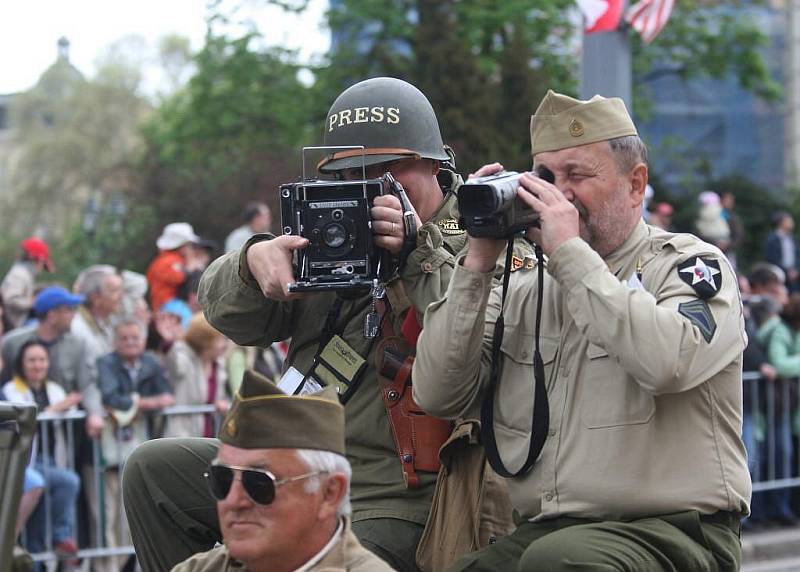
(335, 218)
(489, 207)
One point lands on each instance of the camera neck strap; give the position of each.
(541, 407)
(330, 330)
(409, 227)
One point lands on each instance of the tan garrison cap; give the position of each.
(263, 417)
(562, 121)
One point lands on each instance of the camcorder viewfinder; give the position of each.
(489, 208)
(334, 216)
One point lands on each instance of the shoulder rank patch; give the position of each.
(700, 315)
(449, 226)
(703, 275)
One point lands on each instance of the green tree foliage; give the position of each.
(705, 39)
(76, 140)
(175, 55)
(230, 136)
(113, 235)
(483, 64)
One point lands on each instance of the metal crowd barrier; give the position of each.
(770, 409)
(97, 547)
(770, 403)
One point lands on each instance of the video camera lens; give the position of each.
(489, 206)
(482, 201)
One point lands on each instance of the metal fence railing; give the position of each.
(770, 408)
(769, 417)
(98, 474)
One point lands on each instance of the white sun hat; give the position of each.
(175, 235)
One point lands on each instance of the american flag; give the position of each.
(648, 17)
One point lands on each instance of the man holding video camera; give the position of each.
(636, 462)
(245, 295)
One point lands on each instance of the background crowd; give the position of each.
(120, 346)
(771, 298)
(123, 346)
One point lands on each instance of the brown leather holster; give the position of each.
(417, 435)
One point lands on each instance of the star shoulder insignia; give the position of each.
(702, 274)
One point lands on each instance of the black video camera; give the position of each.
(489, 207)
(335, 218)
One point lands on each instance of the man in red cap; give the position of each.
(18, 285)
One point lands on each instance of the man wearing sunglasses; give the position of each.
(282, 483)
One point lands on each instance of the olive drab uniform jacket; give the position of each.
(643, 361)
(346, 555)
(233, 303)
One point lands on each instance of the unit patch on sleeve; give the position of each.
(700, 315)
(703, 275)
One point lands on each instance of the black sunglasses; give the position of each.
(260, 485)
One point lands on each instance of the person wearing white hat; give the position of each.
(168, 270)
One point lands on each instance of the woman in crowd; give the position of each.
(197, 374)
(782, 341)
(30, 385)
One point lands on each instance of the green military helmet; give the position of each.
(391, 118)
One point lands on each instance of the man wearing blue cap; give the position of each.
(69, 366)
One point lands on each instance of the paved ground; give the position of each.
(775, 550)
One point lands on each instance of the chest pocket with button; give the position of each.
(609, 396)
(514, 406)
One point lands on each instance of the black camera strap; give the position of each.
(409, 227)
(541, 407)
(330, 330)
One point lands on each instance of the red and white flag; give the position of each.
(600, 15)
(648, 17)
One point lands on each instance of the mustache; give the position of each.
(582, 212)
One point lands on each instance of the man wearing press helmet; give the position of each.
(613, 405)
(245, 295)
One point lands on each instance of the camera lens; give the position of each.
(477, 200)
(337, 214)
(485, 201)
(334, 235)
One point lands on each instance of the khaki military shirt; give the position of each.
(233, 303)
(643, 377)
(346, 554)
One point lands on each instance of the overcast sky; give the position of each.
(30, 29)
